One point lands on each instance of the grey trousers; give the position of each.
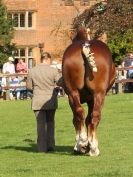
(45, 130)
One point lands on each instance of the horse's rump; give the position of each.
(77, 72)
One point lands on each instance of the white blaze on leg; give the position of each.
(81, 140)
(83, 135)
(76, 147)
(77, 136)
(94, 151)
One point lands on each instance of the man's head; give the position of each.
(13, 77)
(130, 55)
(10, 59)
(20, 60)
(46, 58)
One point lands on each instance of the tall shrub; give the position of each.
(113, 17)
(6, 33)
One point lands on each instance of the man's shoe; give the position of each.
(50, 149)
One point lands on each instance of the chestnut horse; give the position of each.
(82, 85)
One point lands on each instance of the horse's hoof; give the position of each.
(94, 152)
(77, 152)
(83, 150)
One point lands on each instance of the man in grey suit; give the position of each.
(42, 79)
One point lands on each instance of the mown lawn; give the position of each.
(18, 156)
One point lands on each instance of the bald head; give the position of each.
(46, 58)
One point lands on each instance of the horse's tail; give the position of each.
(89, 55)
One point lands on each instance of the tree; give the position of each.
(113, 17)
(6, 34)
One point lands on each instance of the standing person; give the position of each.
(130, 76)
(128, 60)
(14, 88)
(42, 79)
(130, 71)
(3, 86)
(127, 63)
(21, 66)
(8, 67)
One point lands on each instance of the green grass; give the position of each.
(18, 156)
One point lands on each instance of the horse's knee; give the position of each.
(79, 111)
(88, 121)
(96, 116)
(78, 118)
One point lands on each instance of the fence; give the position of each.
(21, 87)
(121, 79)
(7, 87)
(120, 82)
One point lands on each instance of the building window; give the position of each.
(69, 2)
(30, 19)
(15, 18)
(24, 20)
(16, 54)
(21, 53)
(84, 2)
(30, 58)
(19, 20)
(30, 52)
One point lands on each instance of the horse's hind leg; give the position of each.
(92, 122)
(78, 121)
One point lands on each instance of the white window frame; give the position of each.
(29, 56)
(26, 13)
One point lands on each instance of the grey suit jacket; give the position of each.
(42, 79)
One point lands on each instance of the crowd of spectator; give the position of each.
(128, 62)
(127, 73)
(17, 83)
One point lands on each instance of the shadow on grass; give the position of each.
(32, 147)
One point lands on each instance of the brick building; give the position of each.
(42, 24)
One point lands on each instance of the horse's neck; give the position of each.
(80, 37)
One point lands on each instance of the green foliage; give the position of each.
(121, 44)
(18, 156)
(113, 17)
(6, 33)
